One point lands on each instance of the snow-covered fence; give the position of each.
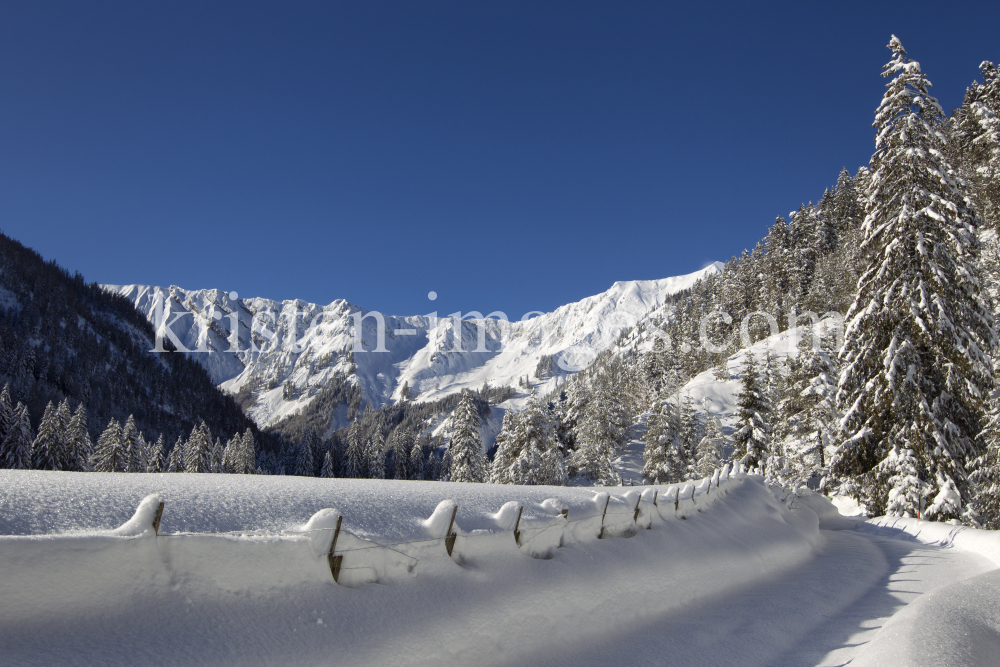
(328, 548)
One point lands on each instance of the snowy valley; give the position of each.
(791, 458)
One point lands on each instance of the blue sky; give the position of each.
(510, 156)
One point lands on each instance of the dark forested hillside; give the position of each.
(61, 337)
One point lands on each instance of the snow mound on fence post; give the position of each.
(436, 525)
(319, 530)
(506, 516)
(553, 506)
(141, 523)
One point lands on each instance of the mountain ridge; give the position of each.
(286, 352)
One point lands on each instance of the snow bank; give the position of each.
(985, 543)
(955, 625)
(240, 572)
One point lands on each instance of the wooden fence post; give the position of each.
(600, 535)
(335, 561)
(517, 533)
(449, 541)
(635, 517)
(156, 519)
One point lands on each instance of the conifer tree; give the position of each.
(985, 473)
(7, 420)
(539, 460)
(507, 450)
(327, 471)
(49, 448)
(710, 448)
(597, 442)
(246, 460)
(356, 464)
(215, 453)
(659, 439)
(229, 454)
(596, 452)
(900, 477)
(110, 454)
(468, 461)
(17, 444)
(807, 415)
(78, 444)
(197, 450)
(690, 436)
(417, 461)
(915, 370)
(154, 455)
(401, 445)
(375, 455)
(753, 427)
(176, 460)
(977, 136)
(305, 462)
(133, 443)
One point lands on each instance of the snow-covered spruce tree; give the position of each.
(110, 454)
(507, 450)
(416, 467)
(710, 448)
(134, 444)
(900, 476)
(915, 365)
(375, 455)
(977, 143)
(468, 463)
(78, 444)
(18, 440)
(807, 416)
(327, 470)
(356, 467)
(660, 437)
(229, 454)
(155, 455)
(539, 459)
(400, 444)
(246, 460)
(49, 449)
(7, 419)
(305, 462)
(441, 471)
(197, 450)
(690, 436)
(597, 441)
(239, 456)
(175, 463)
(215, 454)
(753, 423)
(985, 473)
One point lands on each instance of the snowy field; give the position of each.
(239, 575)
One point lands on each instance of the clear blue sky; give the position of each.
(511, 156)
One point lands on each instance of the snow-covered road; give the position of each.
(825, 612)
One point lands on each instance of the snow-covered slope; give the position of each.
(284, 353)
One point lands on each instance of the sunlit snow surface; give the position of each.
(239, 576)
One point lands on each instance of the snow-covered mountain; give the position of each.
(284, 353)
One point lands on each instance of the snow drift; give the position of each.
(240, 573)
